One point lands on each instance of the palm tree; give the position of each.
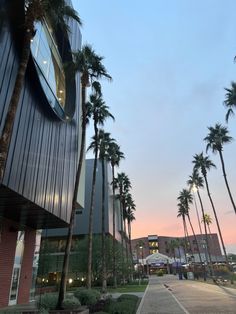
(89, 64)
(105, 142)
(230, 100)
(130, 208)
(114, 156)
(207, 220)
(204, 164)
(99, 112)
(192, 186)
(122, 183)
(217, 137)
(186, 199)
(35, 11)
(182, 214)
(196, 181)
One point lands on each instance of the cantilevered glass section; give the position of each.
(49, 66)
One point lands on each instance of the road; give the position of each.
(168, 295)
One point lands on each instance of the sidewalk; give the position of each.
(158, 298)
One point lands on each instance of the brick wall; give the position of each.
(7, 254)
(26, 267)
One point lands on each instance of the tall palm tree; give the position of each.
(230, 100)
(114, 156)
(193, 188)
(105, 142)
(35, 11)
(196, 181)
(89, 64)
(217, 137)
(99, 112)
(182, 214)
(128, 202)
(203, 163)
(186, 199)
(123, 184)
(129, 213)
(130, 208)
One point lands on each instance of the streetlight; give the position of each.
(141, 248)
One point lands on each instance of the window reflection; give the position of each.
(17, 267)
(45, 53)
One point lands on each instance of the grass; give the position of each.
(128, 288)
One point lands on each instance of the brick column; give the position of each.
(8, 239)
(26, 267)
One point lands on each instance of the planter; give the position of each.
(81, 310)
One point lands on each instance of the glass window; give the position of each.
(17, 267)
(48, 59)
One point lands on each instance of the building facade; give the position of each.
(38, 183)
(145, 246)
(55, 238)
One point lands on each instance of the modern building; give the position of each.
(37, 188)
(145, 246)
(56, 237)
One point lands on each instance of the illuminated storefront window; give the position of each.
(48, 60)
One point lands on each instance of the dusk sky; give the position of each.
(170, 61)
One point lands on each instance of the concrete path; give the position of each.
(168, 295)
(159, 299)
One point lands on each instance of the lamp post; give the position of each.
(141, 248)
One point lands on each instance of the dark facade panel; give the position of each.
(82, 220)
(43, 153)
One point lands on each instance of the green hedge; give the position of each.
(125, 304)
(87, 297)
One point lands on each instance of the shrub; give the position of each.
(129, 297)
(125, 304)
(87, 297)
(71, 303)
(48, 301)
(124, 307)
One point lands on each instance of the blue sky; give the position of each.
(170, 61)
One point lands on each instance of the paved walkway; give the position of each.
(169, 295)
(159, 299)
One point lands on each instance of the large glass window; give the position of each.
(48, 59)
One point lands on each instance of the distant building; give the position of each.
(38, 184)
(146, 246)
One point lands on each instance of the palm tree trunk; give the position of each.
(129, 233)
(104, 275)
(122, 235)
(206, 235)
(226, 181)
(217, 222)
(130, 251)
(198, 219)
(126, 240)
(12, 108)
(195, 238)
(62, 288)
(189, 247)
(92, 200)
(114, 229)
(185, 240)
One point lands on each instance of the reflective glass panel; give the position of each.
(45, 53)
